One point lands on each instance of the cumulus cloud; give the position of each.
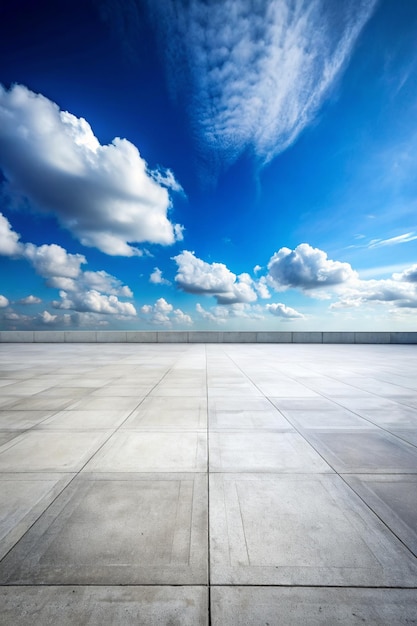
(9, 239)
(399, 291)
(98, 281)
(53, 260)
(29, 300)
(47, 318)
(261, 288)
(157, 279)
(409, 275)
(307, 268)
(283, 311)
(104, 194)
(198, 277)
(94, 302)
(387, 291)
(162, 313)
(3, 302)
(81, 291)
(254, 74)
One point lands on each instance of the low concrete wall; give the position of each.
(122, 336)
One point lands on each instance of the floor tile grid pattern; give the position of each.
(284, 422)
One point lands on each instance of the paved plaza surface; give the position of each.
(193, 484)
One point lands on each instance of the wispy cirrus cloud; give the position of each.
(393, 241)
(254, 74)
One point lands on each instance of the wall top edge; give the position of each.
(215, 336)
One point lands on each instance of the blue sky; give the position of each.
(231, 164)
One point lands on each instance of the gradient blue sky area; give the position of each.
(231, 164)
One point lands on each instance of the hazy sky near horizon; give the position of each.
(195, 164)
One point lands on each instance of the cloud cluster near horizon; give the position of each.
(105, 195)
(254, 74)
(79, 291)
(162, 313)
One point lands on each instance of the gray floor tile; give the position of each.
(22, 420)
(45, 451)
(84, 420)
(237, 403)
(317, 403)
(364, 452)
(275, 606)
(7, 435)
(166, 419)
(24, 498)
(266, 451)
(246, 419)
(105, 403)
(396, 416)
(300, 530)
(104, 606)
(393, 498)
(133, 451)
(334, 419)
(37, 403)
(116, 530)
(197, 403)
(409, 435)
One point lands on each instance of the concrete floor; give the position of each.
(208, 484)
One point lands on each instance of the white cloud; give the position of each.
(307, 268)
(262, 288)
(94, 302)
(221, 314)
(157, 279)
(409, 275)
(9, 239)
(198, 277)
(48, 318)
(218, 315)
(399, 294)
(102, 281)
(392, 241)
(53, 260)
(48, 260)
(162, 313)
(283, 311)
(166, 178)
(254, 74)
(92, 292)
(105, 195)
(3, 302)
(399, 291)
(181, 318)
(12, 316)
(29, 300)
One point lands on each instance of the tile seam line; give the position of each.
(209, 621)
(221, 585)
